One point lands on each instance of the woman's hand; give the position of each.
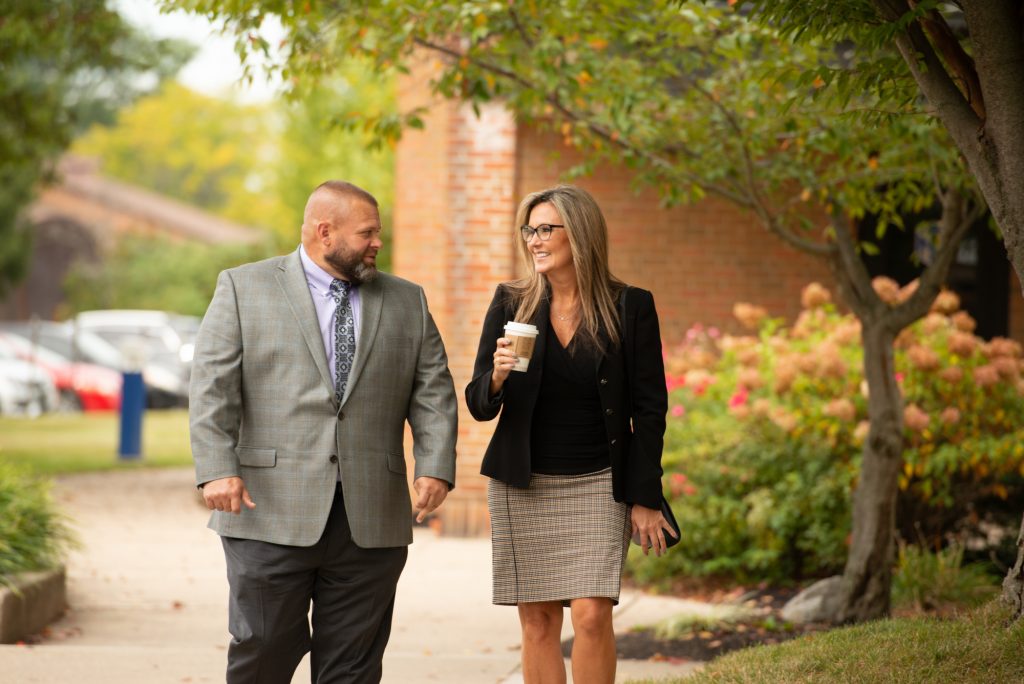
(504, 361)
(649, 526)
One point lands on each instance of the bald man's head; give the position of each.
(341, 231)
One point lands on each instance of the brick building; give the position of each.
(458, 183)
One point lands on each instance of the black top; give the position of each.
(630, 382)
(567, 436)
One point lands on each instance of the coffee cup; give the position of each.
(523, 336)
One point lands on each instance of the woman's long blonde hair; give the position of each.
(588, 242)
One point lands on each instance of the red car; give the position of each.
(82, 386)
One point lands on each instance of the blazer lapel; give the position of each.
(371, 301)
(296, 290)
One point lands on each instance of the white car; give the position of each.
(25, 389)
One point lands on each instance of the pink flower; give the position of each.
(714, 333)
(739, 398)
(677, 482)
(678, 411)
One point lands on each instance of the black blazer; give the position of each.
(631, 384)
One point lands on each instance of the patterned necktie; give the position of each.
(344, 336)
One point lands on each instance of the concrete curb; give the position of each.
(41, 598)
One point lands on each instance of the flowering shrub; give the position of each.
(765, 432)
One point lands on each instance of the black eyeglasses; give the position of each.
(543, 230)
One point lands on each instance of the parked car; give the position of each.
(162, 334)
(80, 386)
(165, 387)
(25, 390)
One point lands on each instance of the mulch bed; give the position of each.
(766, 627)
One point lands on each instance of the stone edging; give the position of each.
(42, 599)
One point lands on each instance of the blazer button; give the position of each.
(334, 458)
(341, 416)
(604, 381)
(608, 412)
(613, 442)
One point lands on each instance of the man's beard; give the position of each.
(352, 266)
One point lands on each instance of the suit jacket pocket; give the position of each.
(256, 457)
(396, 463)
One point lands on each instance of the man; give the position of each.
(306, 369)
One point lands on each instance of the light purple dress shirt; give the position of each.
(319, 282)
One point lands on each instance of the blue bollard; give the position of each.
(133, 403)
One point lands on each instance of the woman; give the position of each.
(575, 461)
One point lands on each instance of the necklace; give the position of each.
(568, 317)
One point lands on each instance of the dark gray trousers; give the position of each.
(353, 595)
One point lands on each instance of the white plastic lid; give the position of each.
(521, 328)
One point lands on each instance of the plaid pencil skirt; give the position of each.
(564, 537)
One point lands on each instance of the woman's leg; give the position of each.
(593, 647)
(542, 648)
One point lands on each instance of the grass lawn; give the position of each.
(79, 442)
(975, 647)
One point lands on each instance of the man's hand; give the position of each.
(432, 493)
(227, 494)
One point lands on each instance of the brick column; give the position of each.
(453, 234)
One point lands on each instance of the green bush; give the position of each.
(33, 536)
(764, 436)
(752, 504)
(926, 581)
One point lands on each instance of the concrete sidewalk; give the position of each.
(148, 598)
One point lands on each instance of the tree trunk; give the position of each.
(867, 577)
(1013, 584)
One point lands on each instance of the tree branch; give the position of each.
(955, 56)
(660, 164)
(932, 78)
(850, 270)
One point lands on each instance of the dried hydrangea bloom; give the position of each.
(948, 302)
(815, 295)
(1006, 366)
(906, 339)
(923, 358)
(907, 290)
(749, 315)
(843, 409)
(1001, 346)
(986, 376)
(748, 357)
(952, 374)
(785, 420)
(915, 418)
(934, 322)
(786, 371)
(962, 344)
(860, 433)
(830, 362)
(762, 408)
(950, 415)
(750, 378)
(846, 333)
(887, 289)
(963, 321)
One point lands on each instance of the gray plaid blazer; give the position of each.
(262, 406)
